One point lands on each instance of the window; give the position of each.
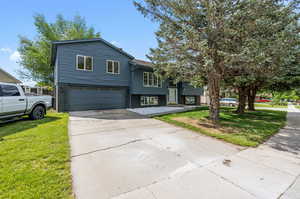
(8, 91)
(112, 67)
(190, 100)
(84, 63)
(151, 80)
(149, 100)
(155, 80)
(145, 79)
(88, 63)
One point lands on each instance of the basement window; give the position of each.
(190, 100)
(149, 100)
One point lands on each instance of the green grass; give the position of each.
(35, 159)
(270, 105)
(298, 107)
(250, 129)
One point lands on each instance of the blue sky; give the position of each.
(118, 21)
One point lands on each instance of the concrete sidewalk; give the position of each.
(270, 171)
(122, 155)
(161, 110)
(271, 108)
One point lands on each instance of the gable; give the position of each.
(67, 71)
(8, 78)
(84, 42)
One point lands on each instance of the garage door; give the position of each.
(83, 98)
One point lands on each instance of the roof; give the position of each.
(142, 63)
(8, 78)
(62, 42)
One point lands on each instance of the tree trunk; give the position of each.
(242, 99)
(251, 98)
(214, 81)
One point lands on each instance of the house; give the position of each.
(94, 74)
(37, 90)
(8, 78)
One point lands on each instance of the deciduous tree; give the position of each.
(35, 54)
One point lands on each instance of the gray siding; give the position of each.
(56, 72)
(188, 89)
(67, 72)
(138, 88)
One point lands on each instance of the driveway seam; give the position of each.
(262, 164)
(111, 147)
(227, 180)
(147, 188)
(142, 187)
(169, 177)
(294, 181)
(163, 179)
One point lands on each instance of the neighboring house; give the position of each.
(94, 74)
(8, 78)
(36, 90)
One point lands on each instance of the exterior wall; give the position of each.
(66, 65)
(138, 88)
(136, 101)
(56, 72)
(59, 100)
(188, 89)
(130, 77)
(180, 97)
(198, 100)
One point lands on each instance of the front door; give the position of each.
(172, 97)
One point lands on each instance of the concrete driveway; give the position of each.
(122, 155)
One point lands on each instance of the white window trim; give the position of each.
(84, 63)
(148, 80)
(113, 67)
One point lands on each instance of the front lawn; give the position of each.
(34, 158)
(270, 105)
(249, 129)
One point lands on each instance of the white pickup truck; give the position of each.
(14, 103)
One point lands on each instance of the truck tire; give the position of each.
(37, 113)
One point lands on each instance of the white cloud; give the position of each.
(115, 43)
(6, 50)
(15, 56)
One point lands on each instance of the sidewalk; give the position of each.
(287, 141)
(269, 171)
(273, 169)
(161, 110)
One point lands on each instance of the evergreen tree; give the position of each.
(206, 41)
